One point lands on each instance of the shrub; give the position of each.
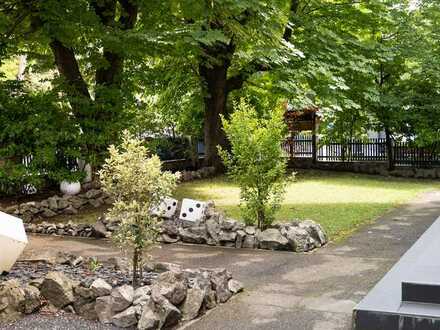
(34, 125)
(256, 162)
(134, 179)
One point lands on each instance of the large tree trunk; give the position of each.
(214, 79)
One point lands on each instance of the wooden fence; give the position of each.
(365, 150)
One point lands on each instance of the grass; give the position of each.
(341, 202)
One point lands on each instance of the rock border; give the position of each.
(213, 229)
(177, 295)
(56, 205)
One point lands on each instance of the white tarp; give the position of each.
(13, 240)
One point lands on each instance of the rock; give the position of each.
(57, 289)
(169, 315)
(227, 236)
(298, 239)
(229, 224)
(210, 300)
(125, 319)
(249, 242)
(250, 230)
(235, 286)
(315, 230)
(241, 234)
(165, 238)
(122, 297)
(170, 228)
(53, 203)
(12, 298)
(100, 287)
(192, 304)
(219, 280)
(196, 234)
(86, 310)
(93, 193)
(70, 210)
(171, 285)
(149, 320)
(48, 213)
(103, 309)
(213, 229)
(63, 203)
(76, 202)
(77, 261)
(84, 292)
(142, 295)
(271, 239)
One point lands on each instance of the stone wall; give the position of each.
(173, 296)
(378, 168)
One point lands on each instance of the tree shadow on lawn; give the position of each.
(338, 219)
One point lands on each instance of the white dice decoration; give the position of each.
(13, 240)
(166, 209)
(192, 210)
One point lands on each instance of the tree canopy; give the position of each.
(156, 67)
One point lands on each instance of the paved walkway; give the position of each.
(315, 291)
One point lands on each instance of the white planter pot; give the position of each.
(70, 188)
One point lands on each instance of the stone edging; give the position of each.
(176, 295)
(213, 229)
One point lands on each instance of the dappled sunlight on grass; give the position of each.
(341, 202)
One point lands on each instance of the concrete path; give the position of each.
(315, 291)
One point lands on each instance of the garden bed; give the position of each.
(168, 293)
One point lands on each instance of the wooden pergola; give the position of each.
(300, 120)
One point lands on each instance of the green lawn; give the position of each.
(341, 202)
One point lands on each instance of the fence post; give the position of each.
(390, 149)
(314, 149)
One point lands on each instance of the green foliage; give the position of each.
(34, 123)
(133, 178)
(256, 162)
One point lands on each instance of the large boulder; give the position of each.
(192, 304)
(171, 285)
(122, 297)
(271, 239)
(12, 297)
(316, 232)
(299, 239)
(226, 237)
(249, 242)
(126, 318)
(57, 289)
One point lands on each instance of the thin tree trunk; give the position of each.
(135, 267)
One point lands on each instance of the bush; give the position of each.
(256, 162)
(36, 126)
(135, 180)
